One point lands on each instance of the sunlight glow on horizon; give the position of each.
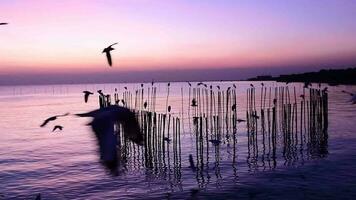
(70, 35)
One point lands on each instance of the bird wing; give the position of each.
(107, 141)
(108, 56)
(47, 120)
(57, 127)
(3, 23)
(122, 115)
(86, 96)
(103, 127)
(113, 44)
(65, 114)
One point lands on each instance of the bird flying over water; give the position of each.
(52, 119)
(57, 127)
(86, 95)
(107, 51)
(103, 127)
(353, 96)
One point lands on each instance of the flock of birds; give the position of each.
(104, 120)
(102, 125)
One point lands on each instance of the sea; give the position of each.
(66, 165)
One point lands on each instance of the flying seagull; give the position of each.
(57, 127)
(86, 95)
(52, 119)
(107, 51)
(353, 96)
(3, 23)
(103, 127)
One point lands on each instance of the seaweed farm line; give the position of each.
(294, 119)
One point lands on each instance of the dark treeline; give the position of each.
(330, 76)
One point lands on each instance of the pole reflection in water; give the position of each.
(282, 128)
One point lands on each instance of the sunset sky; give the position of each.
(67, 36)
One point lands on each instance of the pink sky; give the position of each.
(69, 35)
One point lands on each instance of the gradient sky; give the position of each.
(67, 36)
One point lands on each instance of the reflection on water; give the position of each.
(189, 151)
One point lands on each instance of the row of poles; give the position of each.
(275, 116)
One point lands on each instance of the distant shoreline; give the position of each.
(329, 76)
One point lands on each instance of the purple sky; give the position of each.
(62, 39)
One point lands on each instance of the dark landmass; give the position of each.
(330, 76)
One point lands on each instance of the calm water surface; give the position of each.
(64, 165)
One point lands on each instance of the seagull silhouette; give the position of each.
(107, 51)
(86, 95)
(52, 119)
(167, 139)
(307, 84)
(233, 107)
(274, 101)
(103, 127)
(353, 96)
(194, 102)
(240, 120)
(57, 127)
(215, 142)
(101, 93)
(255, 116)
